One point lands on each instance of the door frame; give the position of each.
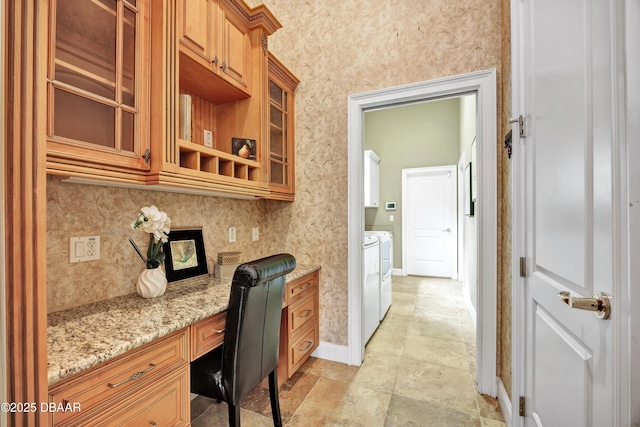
(3, 325)
(406, 173)
(626, 157)
(483, 83)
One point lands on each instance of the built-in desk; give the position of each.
(126, 360)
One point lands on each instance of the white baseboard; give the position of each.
(472, 310)
(397, 272)
(505, 403)
(333, 352)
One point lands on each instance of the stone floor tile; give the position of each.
(435, 383)
(436, 328)
(404, 411)
(437, 350)
(387, 341)
(378, 372)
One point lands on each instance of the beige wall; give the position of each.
(468, 114)
(411, 136)
(336, 48)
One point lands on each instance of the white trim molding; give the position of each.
(483, 83)
(333, 352)
(505, 403)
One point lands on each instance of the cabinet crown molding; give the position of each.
(256, 17)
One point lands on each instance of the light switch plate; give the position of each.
(255, 234)
(84, 248)
(232, 234)
(208, 138)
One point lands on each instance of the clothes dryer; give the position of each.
(371, 286)
(385, 238)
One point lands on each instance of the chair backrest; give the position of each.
(252, 331)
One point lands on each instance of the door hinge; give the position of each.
(520, 121)
(521, 409)
(523, 267)
(521, 126)
(147, 156)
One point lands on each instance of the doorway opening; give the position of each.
(483, 84)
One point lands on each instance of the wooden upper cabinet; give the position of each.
(213, 37)
(281, 144)
(97, 87)
(197, 27)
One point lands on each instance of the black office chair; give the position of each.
(252, 334)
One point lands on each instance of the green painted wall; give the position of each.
(411, 136)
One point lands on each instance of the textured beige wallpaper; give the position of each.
(83, 210)
(504, 210)
(336, 48)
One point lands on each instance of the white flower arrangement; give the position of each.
(158, 225)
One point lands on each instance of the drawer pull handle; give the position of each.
(306, 314)
(219, 331)
(307, 347)
(134, 376)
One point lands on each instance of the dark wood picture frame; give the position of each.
(469, 204)
(249, 150)
(185, 254)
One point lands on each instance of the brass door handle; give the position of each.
(599, 303)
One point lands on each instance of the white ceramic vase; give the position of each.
(152, 283)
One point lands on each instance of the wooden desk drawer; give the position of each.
(301, 348)
(301, 287)
(207, 334)
(166, 403)
(121, 376)
(301, 313)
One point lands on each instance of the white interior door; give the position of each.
(571, 125)
(429, 221)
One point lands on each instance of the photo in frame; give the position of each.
(185, 254)
(243, 147)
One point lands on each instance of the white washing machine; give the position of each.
(371, 286)
(385, 239)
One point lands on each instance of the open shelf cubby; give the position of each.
(198, 158)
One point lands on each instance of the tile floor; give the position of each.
(419, 370)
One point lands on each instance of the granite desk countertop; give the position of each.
(80, 338)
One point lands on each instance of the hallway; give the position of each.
(419, 371)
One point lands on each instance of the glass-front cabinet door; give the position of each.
(278, 151)
(98, 98)
(282, 85)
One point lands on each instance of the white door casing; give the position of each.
(483, 83)
(569, 213)
(429, 227)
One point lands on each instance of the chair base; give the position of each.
(275, 400)
(234, 410)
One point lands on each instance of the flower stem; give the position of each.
(137, 250)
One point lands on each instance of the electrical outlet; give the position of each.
(85, 248)
(255, 234)
(232, 234)
(208, 138)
